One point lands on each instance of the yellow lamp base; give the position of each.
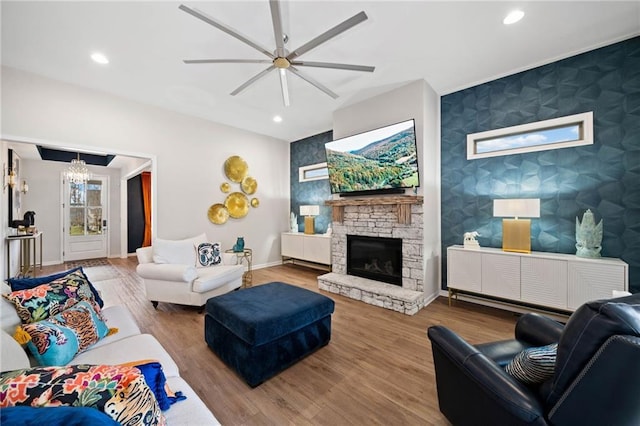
(516, 235)
(309, 225)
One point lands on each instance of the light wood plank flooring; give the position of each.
(377, 369)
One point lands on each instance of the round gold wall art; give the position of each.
(249, 185)
(225, 187)
(218, 214)
(237, 204)
(235, 168)
(255, 202)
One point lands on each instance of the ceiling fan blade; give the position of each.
(349, 67)
(226, 61)
(329, 34)
(252, 80)
(313, 82)
(222, 27)
(284, 86)
(276, 17)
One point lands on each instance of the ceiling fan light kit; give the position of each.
(280, 59)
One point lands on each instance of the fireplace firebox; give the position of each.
(375, 258)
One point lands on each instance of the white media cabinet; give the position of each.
(314, 248)
(549, 280)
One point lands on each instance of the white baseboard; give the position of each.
(265, 265)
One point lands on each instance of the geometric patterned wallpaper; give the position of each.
(304, 153)
(603, 177)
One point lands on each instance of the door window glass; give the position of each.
(85, 212)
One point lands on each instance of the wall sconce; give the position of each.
(9, 178)
(24, 188)
(309, 212)
(516, 233)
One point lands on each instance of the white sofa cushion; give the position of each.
(191, 411)
(134, 348)
(167, 272)
(119, 317)
(177, 251)
(9, 318)
(144, 254)
(216, 276)
(12, 355)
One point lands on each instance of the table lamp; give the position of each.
(516, 233)
(309, 212)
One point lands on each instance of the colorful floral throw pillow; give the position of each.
(24, 283)
(46, 300)
(57, 340)
(120, 392)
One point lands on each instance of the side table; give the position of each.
(246, 254)
(27, 260)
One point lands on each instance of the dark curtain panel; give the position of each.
(135, 214)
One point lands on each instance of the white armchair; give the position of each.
(168, 270)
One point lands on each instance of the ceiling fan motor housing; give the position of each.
(281, 63)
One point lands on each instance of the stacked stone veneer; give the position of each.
(379, 221)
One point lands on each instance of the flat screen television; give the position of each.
(377, 161)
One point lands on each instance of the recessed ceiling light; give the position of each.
(513, 17)
(277, 119)
(99, 58)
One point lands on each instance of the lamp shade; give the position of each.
(309, 210)
(517, 207)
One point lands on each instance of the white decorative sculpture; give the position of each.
(293, 222)
(470, 240)
(329, 230)
(588, 236)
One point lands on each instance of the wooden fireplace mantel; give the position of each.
(402, 201)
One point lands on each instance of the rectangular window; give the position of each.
(313, 172)
(562, 132)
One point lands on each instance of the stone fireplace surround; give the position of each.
(379, 217)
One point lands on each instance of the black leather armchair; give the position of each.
(596, 379)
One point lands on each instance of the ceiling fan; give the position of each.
(281, 59)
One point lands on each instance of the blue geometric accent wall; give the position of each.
(305, 152)
(603, 177)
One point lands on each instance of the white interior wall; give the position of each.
(419, 101)
(189, 156)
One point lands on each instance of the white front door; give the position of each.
(85, 219)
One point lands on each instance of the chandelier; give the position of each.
(77, 172)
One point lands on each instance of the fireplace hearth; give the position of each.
(375, 258)
(382, 218)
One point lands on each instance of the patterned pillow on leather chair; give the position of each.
(533, 366)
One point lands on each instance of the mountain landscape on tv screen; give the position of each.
(388, 163)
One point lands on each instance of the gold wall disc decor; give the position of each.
(255, 202)
(225, 187)
(237, 204)
(235, 168)
(249, 185)
(218, 214)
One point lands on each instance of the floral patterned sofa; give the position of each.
(127, 375)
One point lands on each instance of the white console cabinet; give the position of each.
(552, 280)
(309, 247)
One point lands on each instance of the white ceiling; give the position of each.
(452, 45)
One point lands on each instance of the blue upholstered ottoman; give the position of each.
(260, 331)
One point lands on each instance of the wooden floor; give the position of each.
(377, 369)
